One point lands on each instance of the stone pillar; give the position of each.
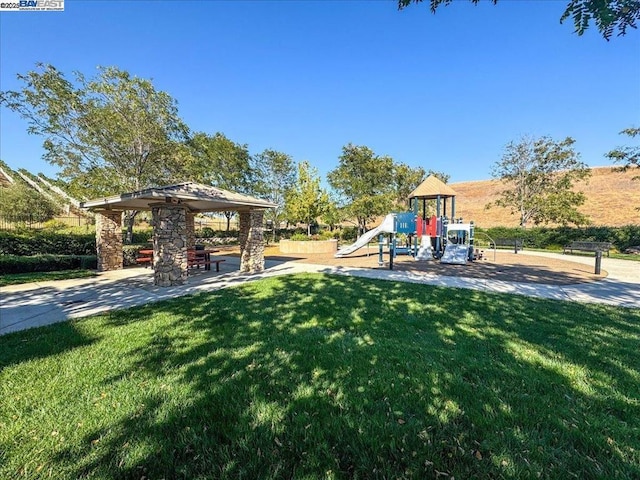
(251, 241)
(109, 240)
(169, 244)
(191, 229)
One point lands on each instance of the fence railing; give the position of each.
(35, 222)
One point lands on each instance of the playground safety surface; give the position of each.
(506, 267)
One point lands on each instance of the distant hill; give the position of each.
(612, 199)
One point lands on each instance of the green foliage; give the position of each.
(110, 134)
(366, 183)
(609, 16)
(46, 263)
(276, 177)
(628, 156)
(30, 242)
(349, 234)
(539, 175)
(306, 200)
(542, 237)
(326, 377)
(21, 201)
(208, 232)
(405, 180)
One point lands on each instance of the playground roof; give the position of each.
(198, 198)
(432, 188)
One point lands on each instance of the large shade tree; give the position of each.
(109, 134)
(365, 183)
(609, 16)
(216, 160)
(539, 176)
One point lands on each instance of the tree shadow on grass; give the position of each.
(39, 343)
(312, 376)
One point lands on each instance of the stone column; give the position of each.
(109, 240)
(191, 229)
(169, 244)
(251, 241)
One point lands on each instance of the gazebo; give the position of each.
(173, 209)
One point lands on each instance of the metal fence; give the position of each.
(35, 222)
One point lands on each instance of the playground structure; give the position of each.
(450, 241)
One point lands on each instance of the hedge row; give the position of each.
(554, 238)
(46, 263)
(37, 242)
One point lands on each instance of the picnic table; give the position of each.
(196, 258)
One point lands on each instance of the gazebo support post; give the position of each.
(191, 229)
(109, 240)
(169, 244)
(251, 241)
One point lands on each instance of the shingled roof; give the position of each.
(198, 197)
(431, 188)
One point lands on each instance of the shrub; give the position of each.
(46, 263)
(44, 242)
(349, 234)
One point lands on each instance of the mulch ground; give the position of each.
(507, 266)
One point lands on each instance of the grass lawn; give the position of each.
(313, 376)
(18, 278)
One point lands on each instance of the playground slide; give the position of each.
(455, 254)
(385, 227)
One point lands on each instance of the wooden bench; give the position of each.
(585, 246)
(516, 243)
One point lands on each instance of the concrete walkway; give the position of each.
(38, 304)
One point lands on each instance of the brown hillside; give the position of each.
(612, 199)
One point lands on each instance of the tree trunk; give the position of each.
(129, 220)
(228, 216)
(309, 229)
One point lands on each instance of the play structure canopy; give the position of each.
(432, 188)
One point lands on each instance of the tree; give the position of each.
(21, 202)
(306, 201)
(218, 161)
(406, 179)
(609, 16)
(628, 156)
(539, 175)
(365, 181)
(276, 174)
(110, 134)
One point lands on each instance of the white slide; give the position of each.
(385, 227)
(455, 254)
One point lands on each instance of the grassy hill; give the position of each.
(612, 199)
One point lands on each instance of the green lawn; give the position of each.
(313, 376)
(18, 278)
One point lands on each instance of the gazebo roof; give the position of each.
(196, 196)
(432, 188)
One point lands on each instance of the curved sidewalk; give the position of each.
(37, 304)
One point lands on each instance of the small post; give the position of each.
(392, 252)
(598, 261)
(380, 251)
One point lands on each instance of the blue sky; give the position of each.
(445, 91)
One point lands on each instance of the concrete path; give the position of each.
(44, 303)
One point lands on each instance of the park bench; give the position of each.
(585, 246)
(515, 243)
